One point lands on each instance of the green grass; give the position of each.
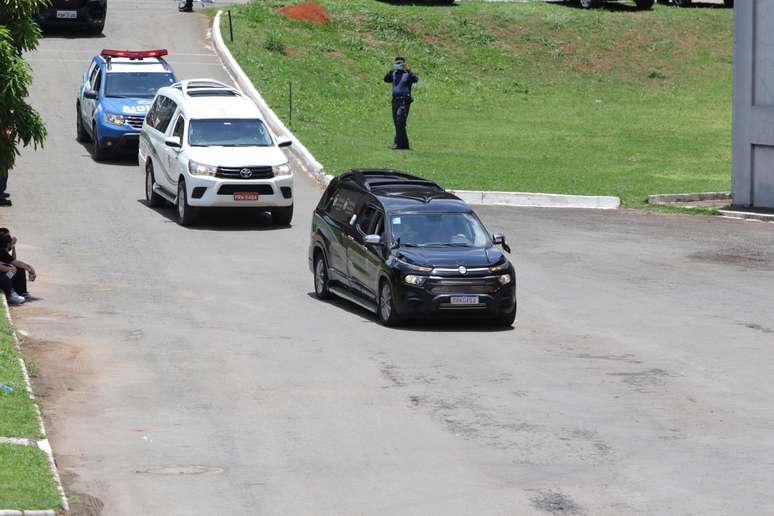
(515, 97)
(25, 479)
(18, 417)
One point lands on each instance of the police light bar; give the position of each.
(134, 54)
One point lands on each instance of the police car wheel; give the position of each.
(154, 200)
(98, 152)
(80, 132)
(97, 28)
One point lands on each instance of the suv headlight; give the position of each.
(113, 118)
(200, 169)
(415, 280)
(281, 170)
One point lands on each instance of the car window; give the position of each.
(178, 131)
(153, 112)
(344, 205)
(96, 79)
(226, 132)
(439, 230)
(136, 84)
(367, 222)
(166, 109)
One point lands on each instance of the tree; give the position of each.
(19, 122)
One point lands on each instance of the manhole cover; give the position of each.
(182, 470)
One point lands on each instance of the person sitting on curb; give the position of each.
(13, 272)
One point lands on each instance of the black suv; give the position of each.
(401, 246)
(89, 14)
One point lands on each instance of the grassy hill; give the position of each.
(520, 97)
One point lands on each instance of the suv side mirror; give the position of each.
(499, 239)
(90, 94)
(284, 142)
(372, 240)
(173, 141)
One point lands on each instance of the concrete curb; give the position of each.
(316, 170)
(689, 197)
(42, 444)
(747, 215)
(539, 200)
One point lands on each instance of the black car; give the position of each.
(88, 14)
(403, 247)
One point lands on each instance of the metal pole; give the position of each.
(230, 27)
(290, 102)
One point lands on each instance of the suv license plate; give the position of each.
(67, 15)
(247, 196)
(464, 300)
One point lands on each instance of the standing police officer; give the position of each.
(402, 78)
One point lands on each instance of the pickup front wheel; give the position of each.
(282, 216)
(185, 214)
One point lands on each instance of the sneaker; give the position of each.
(29, 297)
(6, 202)
(15, 299)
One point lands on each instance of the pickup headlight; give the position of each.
(504, 279)
(113, 118)
(281, 170)
(413, 267)
(499, 268)
(412, 279)
(199, 169)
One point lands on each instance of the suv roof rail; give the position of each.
(388, 177)
(206, 88)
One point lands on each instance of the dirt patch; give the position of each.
(307, 11)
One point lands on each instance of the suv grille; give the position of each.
(236, 173)
(460, 285)
(134, 120)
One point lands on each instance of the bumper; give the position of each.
(434, 298)
(121, 142)
(92, 14)
(213, 192)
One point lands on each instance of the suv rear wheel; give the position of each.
(185, 214)
(282, 216)
(386, 311)
(321, 277)
(154, 200)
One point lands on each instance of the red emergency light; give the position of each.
(134, 54)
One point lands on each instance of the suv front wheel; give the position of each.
(386, 311)
(185, 213)
(282, 216)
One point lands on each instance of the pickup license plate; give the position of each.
(464, 300)
(247, 196)
(67, 15)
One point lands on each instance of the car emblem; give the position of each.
(462, 270)
(246, 172)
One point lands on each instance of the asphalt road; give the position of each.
(190, 371)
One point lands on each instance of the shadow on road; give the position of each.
(126, 159)
(70, 33)
(433, 325)
(223, 219)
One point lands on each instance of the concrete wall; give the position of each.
(753, 179)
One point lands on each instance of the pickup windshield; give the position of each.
(136, 84)
(438, 230)
(229, 133)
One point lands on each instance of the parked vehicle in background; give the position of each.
(115, 92)
(403, 247)
(88, 14)
(204, 145)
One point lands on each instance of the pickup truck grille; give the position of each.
(459, 285)
(134, 120)
(236, 173)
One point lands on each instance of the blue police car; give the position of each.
(115, 94)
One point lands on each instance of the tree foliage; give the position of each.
(20, 124)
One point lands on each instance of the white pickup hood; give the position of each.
(238, 156)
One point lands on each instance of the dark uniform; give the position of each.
(401, 81)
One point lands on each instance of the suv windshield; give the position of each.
(229, 133)
(438, 230)
(136, 84)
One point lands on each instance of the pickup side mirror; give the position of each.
(499, 239)
(173, 141)
(90, 94)
(284, 142)
(372, 240)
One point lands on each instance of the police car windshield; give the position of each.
(222, 132)
(438, 230)
(136, 84)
